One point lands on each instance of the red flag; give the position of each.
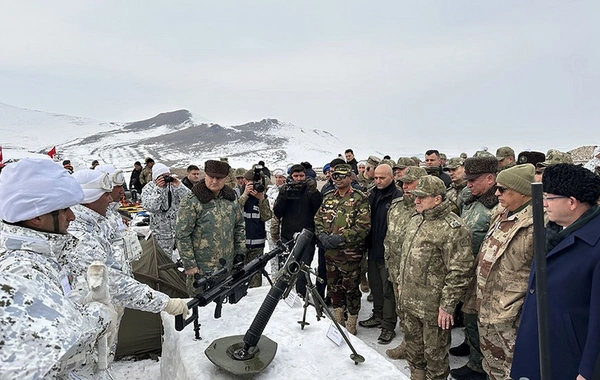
(1, 159)
(52, 152)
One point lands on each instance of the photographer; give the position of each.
(256, 211)
(296, 206)
(161, 197)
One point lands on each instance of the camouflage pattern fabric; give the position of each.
(504, 263)
(206, 232)
(92, 231)
(435, 263)
(44, 334)
(348, 216)
(343, 279)
(146, 176)
(498, 346)
(427, 346)
(399, 214)
(162, 221)
(456, 195)
(116, 237)
(364, 182)
(251, 254)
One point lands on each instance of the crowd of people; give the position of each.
(435, 244)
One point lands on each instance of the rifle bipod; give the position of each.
(320, 307)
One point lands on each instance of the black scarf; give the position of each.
(555, 233)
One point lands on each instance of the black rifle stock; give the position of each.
(221, 285)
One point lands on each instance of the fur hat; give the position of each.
(518, 178)
(476, 166)
(217, 169)
(429, 186)
(572, 181)
(530, 157)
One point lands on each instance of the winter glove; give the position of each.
(324, 239)
(177, 306)
(335, 240)
(238, 259)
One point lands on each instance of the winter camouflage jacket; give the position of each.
(348, 216)
(164, 212)
(209, 228)
(43, 333)
(399, 214)
(477, 213)
(504, 263)
(92, 230)
(435, 262)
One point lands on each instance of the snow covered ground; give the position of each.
(150, 369)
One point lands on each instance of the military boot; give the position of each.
(417, 374)
(351, 323)
(397, 353)
(338, 314)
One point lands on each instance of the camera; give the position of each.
(259, 179)
(293, 189)
(167, 178)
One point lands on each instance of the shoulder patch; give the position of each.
(453, 220)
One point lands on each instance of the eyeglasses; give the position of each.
(103, 183)
(547, 198)
(338, 176)
(501, 189)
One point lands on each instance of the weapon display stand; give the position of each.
(320, 307)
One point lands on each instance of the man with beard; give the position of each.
(384, 302)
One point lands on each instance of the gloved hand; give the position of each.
(324, 239)
(238, 258)
(177, 306)
(335, 240)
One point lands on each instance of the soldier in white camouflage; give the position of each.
(161, 198)
(210, 225)
(478, 209)
(399, 214)
(504, 263)
(433, 276)
(44, 334)
(341, 225)
(93, 230)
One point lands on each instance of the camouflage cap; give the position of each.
(554, 157)
(483, 153)
(413, 173)
(404, 162)
(504, 151)
(239, 172)
(454, 162)
(388, 161)
(443, 156)
(429, 186)
(344, 169)
(373, 160)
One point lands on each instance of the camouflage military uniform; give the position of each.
(44, 333)
(477, 213)
(164, 212)
(125, 243)
(348, 216)
(92, 231)
(209, 228)
(364, 182)
(456, 195)
(146, 175)
(504, 263)
(433, 274)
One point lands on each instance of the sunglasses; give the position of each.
(338, 176)
(501, 189)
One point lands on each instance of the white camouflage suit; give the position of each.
(124, 241)
(155, 199)
(43, 333)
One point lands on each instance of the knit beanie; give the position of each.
(518, 178)
(572, 181)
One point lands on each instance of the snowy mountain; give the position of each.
(175, 138)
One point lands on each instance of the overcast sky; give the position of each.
(448, 74)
